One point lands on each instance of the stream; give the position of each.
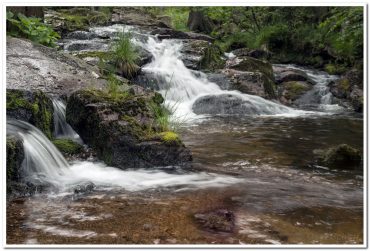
(258, 165)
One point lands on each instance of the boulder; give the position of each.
(290, 91)
(201, 55)
(31, 66)
(33, 107)
(199, 22)
(223, 104)
(249, 82)
(252, 65)
(124, 129)
(340, 157)
(349, 88)
(283, 74)
(254, 53)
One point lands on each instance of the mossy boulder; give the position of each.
(349, 88)
(124, 129)
(340, 157)
(68, 146)
(201, 55)
(31, 106)
(292, 90)
(264, 68)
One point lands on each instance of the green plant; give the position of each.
(125, 55)
(31, 28)
(114, 88)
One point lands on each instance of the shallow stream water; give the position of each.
(260, 167)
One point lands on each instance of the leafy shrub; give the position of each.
(31, 28)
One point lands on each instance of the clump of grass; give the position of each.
(114, 88)
(125, 56)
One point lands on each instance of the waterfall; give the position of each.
(61, 128)
(181, 87)
(44, 163)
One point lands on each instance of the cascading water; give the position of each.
(320, 94)
(44, 163)
(61, 128)
(181, 87)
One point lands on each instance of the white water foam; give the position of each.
(181, 87)
(44, 163)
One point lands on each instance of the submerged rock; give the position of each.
(223, 104)
(220, 220)
(123, 129)
(340, 157)
(84, 188)
(31, 106)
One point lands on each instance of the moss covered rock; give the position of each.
(349, 88)
(68, 146)
(14, 158)
(31, 106)
(292, 90)
(123, 129)
(340, 157)
(264, 68)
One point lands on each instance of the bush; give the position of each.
(125, 56)
(31, 28)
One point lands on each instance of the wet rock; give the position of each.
(168, 33)
(33, 107)
(259, 71)
(81, 35)
(144, 57)
(221, 220)
(283, 74)
(292, 90)
(254, 53)
(31, 66)
(68, 146)
(124, 130)
(14, 159)
(83, 188)
(220, 79)
(349, 88)
(200, 54)
(223, 104)
(248, 82)
(340, 157)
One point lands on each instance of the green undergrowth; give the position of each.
(68, 146)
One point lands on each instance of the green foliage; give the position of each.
(31, 28)
(67, 146)
(82, 18)
(114, 88)
(125, 55)
(179, 15)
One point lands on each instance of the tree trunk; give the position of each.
(199, 22)
(29, 11)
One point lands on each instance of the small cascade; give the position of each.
(181, 87)
(45, 164)
(320, 95)
(61, 128)
(43, 161)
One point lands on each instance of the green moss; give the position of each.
(67, 146)
(100, 54)
(37, 103)
(212, 58)
(82, 18)
(295, 89)
(344, 84)
(14, 158)
(334, 69)
(169, 136)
